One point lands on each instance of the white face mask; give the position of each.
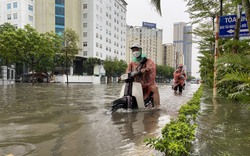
(136, 53)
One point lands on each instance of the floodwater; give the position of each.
(223, 128)
(61, 120)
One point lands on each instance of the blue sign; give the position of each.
(149, 25)
(227, 25)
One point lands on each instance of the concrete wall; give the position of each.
(8, 75)
(78, 79)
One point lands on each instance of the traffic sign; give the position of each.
(227, 25)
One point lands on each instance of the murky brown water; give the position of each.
(56, 120)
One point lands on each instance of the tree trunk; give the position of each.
(236, 33)
(109, 80)
(246, 5)
(32, 69)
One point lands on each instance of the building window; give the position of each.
(30, 8)
(15, 25)
(85, 6)
(15, 16)
(15, 5)
(9, 17)
(85, 53)
(85, 15)
(85, 34)
(85, 44)
(8, 6)
(85, 25)
(60, 21)
(60, 11)
(60, 2)
(30, 18)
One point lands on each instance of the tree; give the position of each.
(6, 57)
(70, 48)
(157, 5)
(246, 6)
(114, 68)
(90, 63)
(31, 47)
(164, 72)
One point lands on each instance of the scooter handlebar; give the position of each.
(135, 73)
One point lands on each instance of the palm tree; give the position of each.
(239, 67)
(157, 5)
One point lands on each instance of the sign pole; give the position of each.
(216, 50)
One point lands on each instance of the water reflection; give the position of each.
(132, 124)
(223, 128)
(61, 120)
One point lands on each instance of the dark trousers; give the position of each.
(180, 88)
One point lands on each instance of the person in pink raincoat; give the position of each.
(147, 76)
(179, 79)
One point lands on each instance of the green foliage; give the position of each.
(177, 136)
(69, 48)
(189, 78)
(157, 5)
(6, 27)
(6, 32)
(233, 77)
(164, 71)
(114, 67)
(28, 46)
(90, 63)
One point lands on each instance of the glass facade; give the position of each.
(60, 16)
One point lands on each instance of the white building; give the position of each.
(150, 39)
(17, 12)
(100, 24)
(104, 29)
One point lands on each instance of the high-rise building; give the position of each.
(100, 24)
(169, 54)
(182, 39)
(104, 29)
(150, 39)
(17, 12)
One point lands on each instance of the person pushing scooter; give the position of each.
(147, 73)
(179, 79)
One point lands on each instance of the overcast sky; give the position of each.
(173, 11)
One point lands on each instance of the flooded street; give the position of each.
(53, 119)
(223, 128)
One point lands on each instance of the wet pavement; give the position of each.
(61, 120)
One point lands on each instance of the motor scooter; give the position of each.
(131, 95)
